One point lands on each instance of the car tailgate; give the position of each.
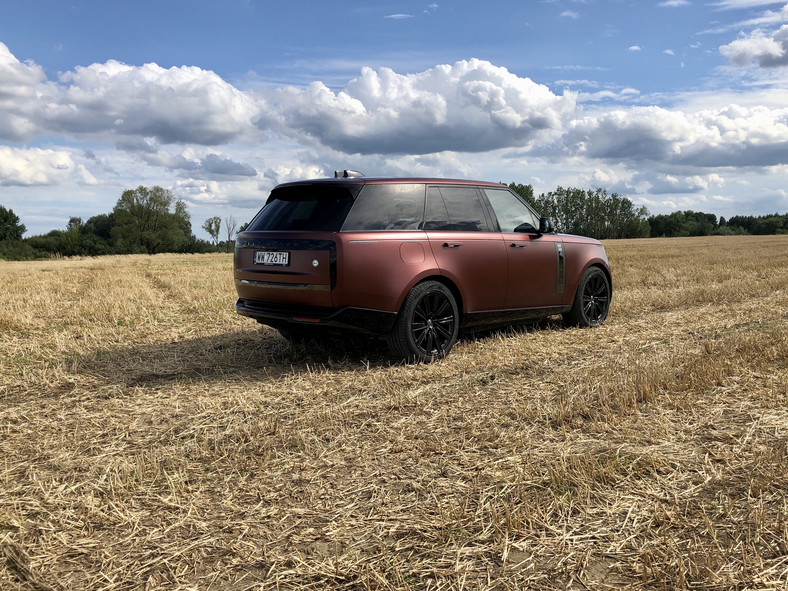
(299, 269)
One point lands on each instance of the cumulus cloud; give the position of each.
(247, 194)
(732, 136)
(19, 93)
(675, 184)
(217, 165)
(471, 106)
(767, 50)
(34, 166)
(614, 181)
(175, 105)
(284, 174)
(190, 164)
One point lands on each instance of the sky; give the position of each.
(675, 104)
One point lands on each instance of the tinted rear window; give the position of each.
(387, 207)
(456, 209)
(318, 207)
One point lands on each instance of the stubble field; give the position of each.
(152, 439)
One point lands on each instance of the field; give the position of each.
(152, 439)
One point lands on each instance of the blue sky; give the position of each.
(676, 104)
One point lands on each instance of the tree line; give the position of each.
(695, 223)
(599, 215)
(143, 221)
(150, 220)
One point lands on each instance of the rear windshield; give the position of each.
(317, 207)
(396, 206)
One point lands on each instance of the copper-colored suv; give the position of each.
(414, 260)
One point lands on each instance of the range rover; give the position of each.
(412, 260)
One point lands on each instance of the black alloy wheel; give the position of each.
(592, 300)
(427, 325)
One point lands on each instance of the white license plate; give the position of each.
(267, 257)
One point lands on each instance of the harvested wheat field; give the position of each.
(152, 439)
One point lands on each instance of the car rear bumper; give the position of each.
(348, 318)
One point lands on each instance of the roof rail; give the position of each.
(347, 174)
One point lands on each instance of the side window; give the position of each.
(513, 215)
(435, 215)
(397, 206)
(460, 210)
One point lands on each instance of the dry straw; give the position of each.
(152, 439)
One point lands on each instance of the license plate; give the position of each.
(267, 257)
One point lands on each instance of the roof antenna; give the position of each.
(347, 174)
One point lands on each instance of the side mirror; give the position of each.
(545, 225)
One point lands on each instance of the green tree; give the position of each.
(10, 228)
(593, 213)
(768, 224)
(526, 192)
(213, 226)
(145, 224)
(100, 226)
(684, 223)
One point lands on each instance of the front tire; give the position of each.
(592, 300)
(427, 324)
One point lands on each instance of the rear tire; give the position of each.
(427, 324)
(592, 300)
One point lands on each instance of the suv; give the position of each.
(414, 260)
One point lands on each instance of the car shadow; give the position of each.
(244, 354)
(256, 353)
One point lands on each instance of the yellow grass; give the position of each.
(152, 439)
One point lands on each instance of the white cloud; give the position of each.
(21, 87)
(732, 136)
(768, 51)
(635, 48)
(210, 166)
(623, 94)
(673, 3)
(769, 17)
(738, 4)
(175, 105)
(570, 14)
(34, 166)
(470, 106)
(675, 184)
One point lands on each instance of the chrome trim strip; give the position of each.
(273, 285)
(561, 258)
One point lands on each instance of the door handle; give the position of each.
(447, 245)
(515, 245)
